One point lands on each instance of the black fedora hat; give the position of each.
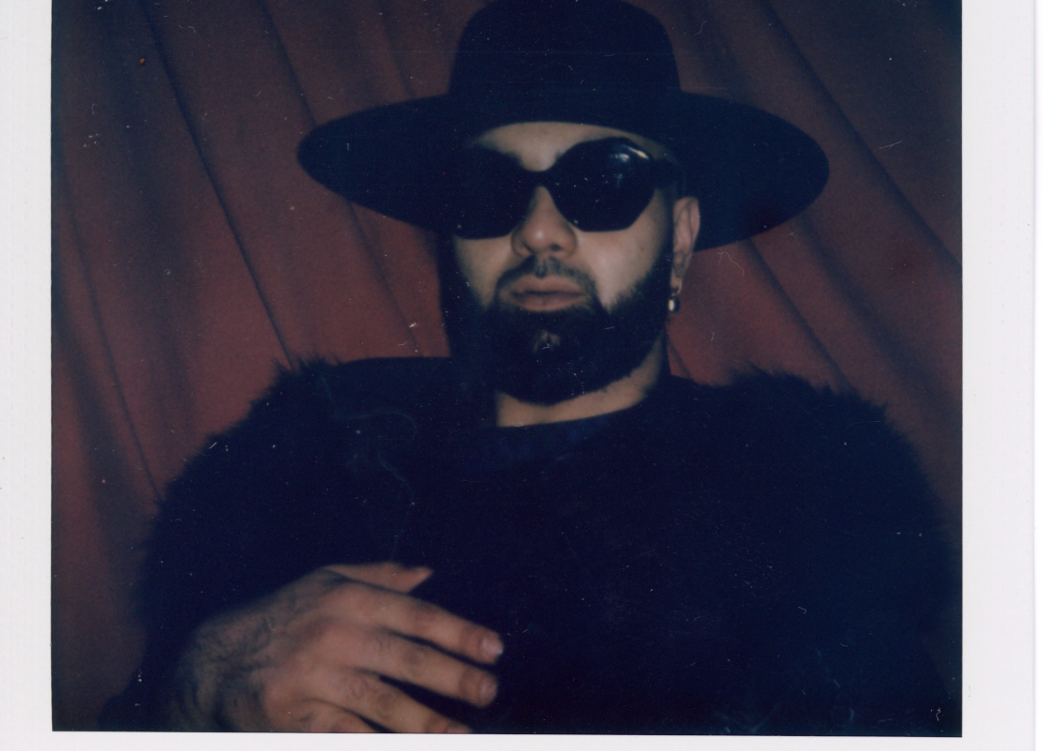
(599, 62)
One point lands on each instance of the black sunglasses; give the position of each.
(598, 186)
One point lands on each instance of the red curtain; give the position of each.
(192, 254)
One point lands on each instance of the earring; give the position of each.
(673, 305)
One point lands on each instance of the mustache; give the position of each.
(541, 268)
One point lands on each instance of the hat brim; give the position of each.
(750, 170)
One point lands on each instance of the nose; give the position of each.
(544, 230)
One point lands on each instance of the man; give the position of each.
(547, 532)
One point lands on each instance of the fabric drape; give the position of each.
(192, 255)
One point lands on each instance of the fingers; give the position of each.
(395, 657)
(361, 699)
(388, 575)
(416, 618)
(389, 707)
(334, 652)
(422, 620)
(320, 717)
(363, 627)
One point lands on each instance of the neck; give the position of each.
(621, 394)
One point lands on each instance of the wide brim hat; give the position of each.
(598, 62)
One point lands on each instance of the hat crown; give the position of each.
(592, 45)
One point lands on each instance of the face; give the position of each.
(605, 265)
(548, 311)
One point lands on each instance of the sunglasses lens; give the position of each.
(603, 186)
(598, 186)
(490, 196)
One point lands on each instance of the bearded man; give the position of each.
(547, 532)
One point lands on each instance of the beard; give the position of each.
(550, 357)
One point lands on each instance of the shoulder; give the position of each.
(783, 420)
(385, 375)
(386, 380)
(311, 401)
(823, 442)
(828, 468)
(765, 403)
(315, 417)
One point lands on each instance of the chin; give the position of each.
(549, 357)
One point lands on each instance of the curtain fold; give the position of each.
(192, 255)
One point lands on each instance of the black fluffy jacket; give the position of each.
(756, 558)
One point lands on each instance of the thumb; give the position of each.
(388, 575)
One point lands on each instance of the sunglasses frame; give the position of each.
(597, 186)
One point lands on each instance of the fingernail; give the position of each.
(492, 647)
(487, 690)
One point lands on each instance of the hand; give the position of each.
(309, 658)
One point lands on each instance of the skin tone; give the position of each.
(309, 657)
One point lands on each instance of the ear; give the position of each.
(686, 230)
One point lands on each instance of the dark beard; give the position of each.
(547, 358)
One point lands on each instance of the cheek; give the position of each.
(481, 262)
(626, 257)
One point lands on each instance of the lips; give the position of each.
(552, 293)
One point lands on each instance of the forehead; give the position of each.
(538, 145)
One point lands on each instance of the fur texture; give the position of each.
(801, 498)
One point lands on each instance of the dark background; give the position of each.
(191, 253)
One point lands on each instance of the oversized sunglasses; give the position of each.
(598, 186)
